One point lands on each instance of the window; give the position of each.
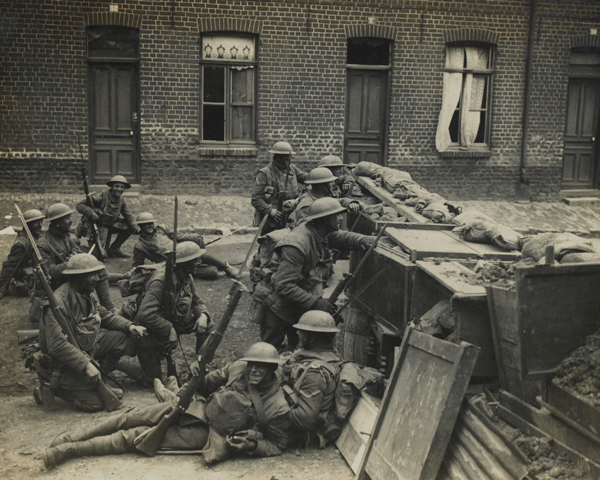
(464, 121)
(228, 96)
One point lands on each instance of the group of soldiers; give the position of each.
(281, 392)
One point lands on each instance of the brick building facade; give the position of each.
(188, 96)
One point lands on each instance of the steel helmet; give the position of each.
(118, 179)
(144, 217)
(320, 175)
(32, 215)
(82, 263)
(317, 321)
(323, 207)
(187, 251)
(331, 161)
(57, 210)
(262, 352)
(282, 148)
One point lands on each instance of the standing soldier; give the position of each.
(64, 368)
(188, 314)
(109, 211)
(56, 247)
(297, 284)
(156, 241)
(310, 376)
(274, 184)
(15, 268)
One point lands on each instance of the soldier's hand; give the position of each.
(324, 305)
(366, 242)
(241, 444)
(195, 366)
(95, 217)
(137, 331)
(354, 207)
(91, 371)
(276, 215)
(201, 324)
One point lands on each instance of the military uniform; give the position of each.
(100, 333)
(300, 213)
(19, 263)
(151, 314)
(56, 249)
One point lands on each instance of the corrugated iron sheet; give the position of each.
(478, 451)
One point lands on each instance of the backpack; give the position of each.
(136, 283)
(352, 378)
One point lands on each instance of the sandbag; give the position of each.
(535, 246)
(504, 237)
(587, 257)
(352, 379)
(367, 169)
(438, 212)
(475, 230)
(465, 218)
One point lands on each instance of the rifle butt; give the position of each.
(339, 288)
(107, 396)
(151, 441)
(23, 336)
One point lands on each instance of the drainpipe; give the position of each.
(523, 181)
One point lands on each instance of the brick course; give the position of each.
(301, 89)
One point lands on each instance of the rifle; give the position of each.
(95, 234)
(149, 441)
(225, 236)
(169, 303)
(107, 396)
(282, 196)
(337, 254)
(348, 277)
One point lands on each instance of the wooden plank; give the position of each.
(431, 243)
(413, 425)
(576, 406)
(453, 276)
(486, 250)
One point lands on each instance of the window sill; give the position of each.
(465, 154)
(226, 151)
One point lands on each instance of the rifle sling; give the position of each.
(263, 423)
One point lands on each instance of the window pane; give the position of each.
(242, 85)
(214, 84)
(112, 42)
(241, 123)
(213, 123)
(480, 138)
(453, 129)
(368, 51)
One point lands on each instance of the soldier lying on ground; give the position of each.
(164, 324)
(64, 369)
(16, 277)
(309, 380)
(156, 240)
(57, 247)
(297, 284)
(109, 211)
(246, 413)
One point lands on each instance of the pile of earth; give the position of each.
(580, 372)
(497, 274)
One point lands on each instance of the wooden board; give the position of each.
(453, 276)
(419, 409)
(577, 407)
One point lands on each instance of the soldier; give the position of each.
(156, 240)
(15, 268)
(188, 315)
(297, 284)
(56, 247)
(63, 368)
(246, 413)
(322, 184)
(346, 183)
(278, 180)
(109, 211)
(310, 377)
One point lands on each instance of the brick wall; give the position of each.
(302, 85)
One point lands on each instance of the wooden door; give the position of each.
(365, 131)
(580, 158)
(114, 122)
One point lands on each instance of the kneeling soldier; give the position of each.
(64, 368)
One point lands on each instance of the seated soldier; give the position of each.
(309, 379)
(65, 369)
(109, 211)
(156, 240)
(246, 413)
(346, 182)
(186, 314)
(16, 277)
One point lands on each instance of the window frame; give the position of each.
(227, 64)
(460, 145)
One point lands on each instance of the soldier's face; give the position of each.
(88, 281)
(147, 227)
(64, 223)
(302, 337)
(334, 222)
(189, 267)
(257, 372)
(35, 226)
(118, 189)
(337, 171)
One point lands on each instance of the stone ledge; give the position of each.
(465, 154)
(228, 151)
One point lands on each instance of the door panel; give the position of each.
(114, 128)
(365, 116)
(580, 159)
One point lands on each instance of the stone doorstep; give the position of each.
(575, 193)
(581, 201)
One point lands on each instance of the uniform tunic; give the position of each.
(18, 258)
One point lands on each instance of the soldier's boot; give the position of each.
(163, 393)
(131, 367)
(115, 249)
(143, 417)
(150, 363)
(113, 444)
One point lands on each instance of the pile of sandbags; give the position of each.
(477, 227)
(568, 248)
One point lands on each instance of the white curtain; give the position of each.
(477, 59)
(455, 57)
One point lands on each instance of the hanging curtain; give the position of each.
(452, 85)
(477, 59)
